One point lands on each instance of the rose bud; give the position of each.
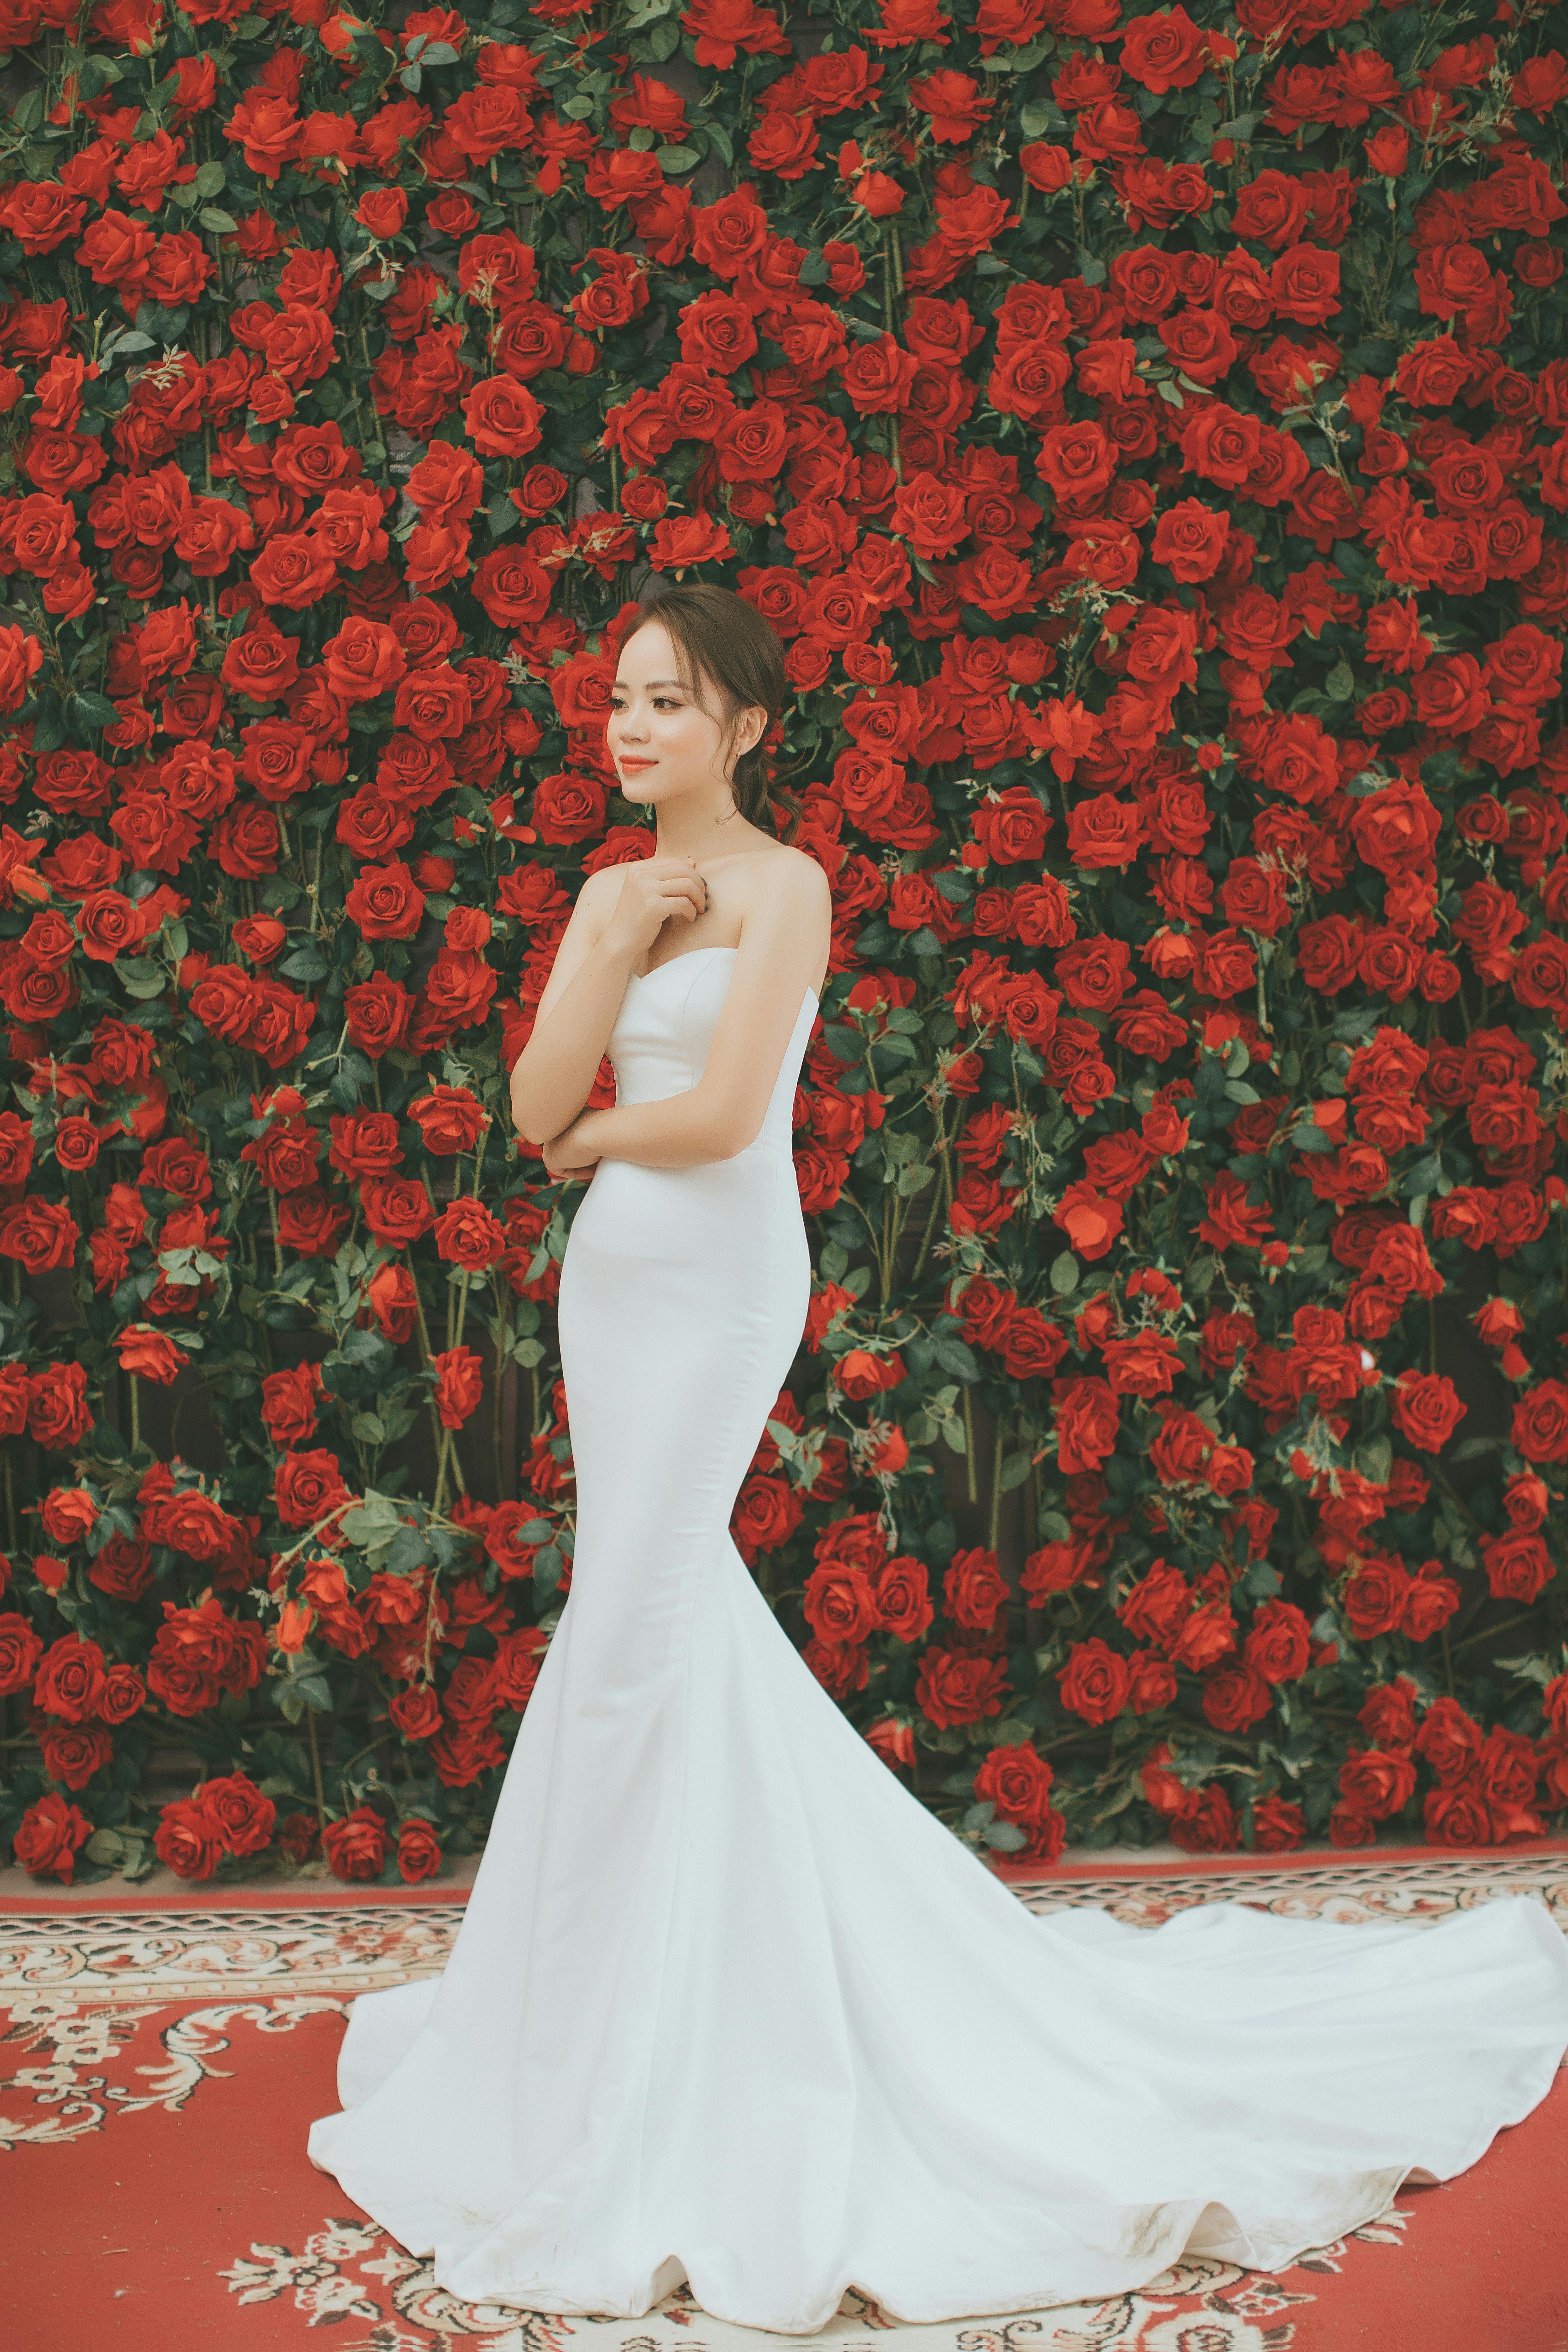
(1498, 1321)
(1388, 151)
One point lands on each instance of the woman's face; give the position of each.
(661, 741)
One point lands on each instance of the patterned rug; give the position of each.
(158, 2070)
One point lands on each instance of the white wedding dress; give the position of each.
(729, 2005)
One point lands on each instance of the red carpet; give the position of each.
(160, 2070)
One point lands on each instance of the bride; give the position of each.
(728, 2004)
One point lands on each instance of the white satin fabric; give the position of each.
(729, 2004)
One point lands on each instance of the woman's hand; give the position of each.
(654, 891)
(571, 1152)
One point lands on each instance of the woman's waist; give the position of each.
(745, 1203)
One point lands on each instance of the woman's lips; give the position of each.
(626, 761)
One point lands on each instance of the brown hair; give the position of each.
(728, 643)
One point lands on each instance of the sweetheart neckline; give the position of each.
(687, 953)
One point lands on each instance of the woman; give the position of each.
(728, 2003)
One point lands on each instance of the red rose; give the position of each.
(956, 1686)
(903, 1598)
(1095, 1681)
(241, 1816)
(1235, 1697)
(1449, 1739)
(377, 1012)
(1077, 460)
(1103, 831)
(504, 417)
(1211, 1825)
(1017, 1781)
(1190, 539)
(840, 1602)
(1518, 1566)
(1163, 52)
(39, 1233)
(419, 1852)
(308, 1486)
(1457, 1816)
(362, 660)
(385, 902)
(973, 1588)
(727, 234)
(48, 1837)
(356, 1845)
(1011, 827)
(1541, 1423)
(1426, 1409)
(682, 540)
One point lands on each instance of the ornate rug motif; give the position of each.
(207, 1950)
(188, 1954)
(1199, 2304)
(70, 2089)
(1414, 1892)
(120, 2015)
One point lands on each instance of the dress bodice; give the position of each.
(664, 1028)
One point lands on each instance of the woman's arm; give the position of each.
(782, 943)
(678, 1131)
(620, 911)
(554, 1074)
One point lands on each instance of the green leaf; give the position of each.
(407, 1550)
(374, 1519)
(1064, 1275)
(94, 710)
(140, 976)
(676, 159)
(1527, 1670)
(217, 222)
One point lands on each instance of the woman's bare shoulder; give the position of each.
(798, 873)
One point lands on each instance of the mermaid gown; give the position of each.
(729, 2005)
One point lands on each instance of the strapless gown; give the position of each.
(729, 2005)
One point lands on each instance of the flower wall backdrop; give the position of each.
(1149, 434)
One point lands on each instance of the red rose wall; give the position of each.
(1149, 436)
